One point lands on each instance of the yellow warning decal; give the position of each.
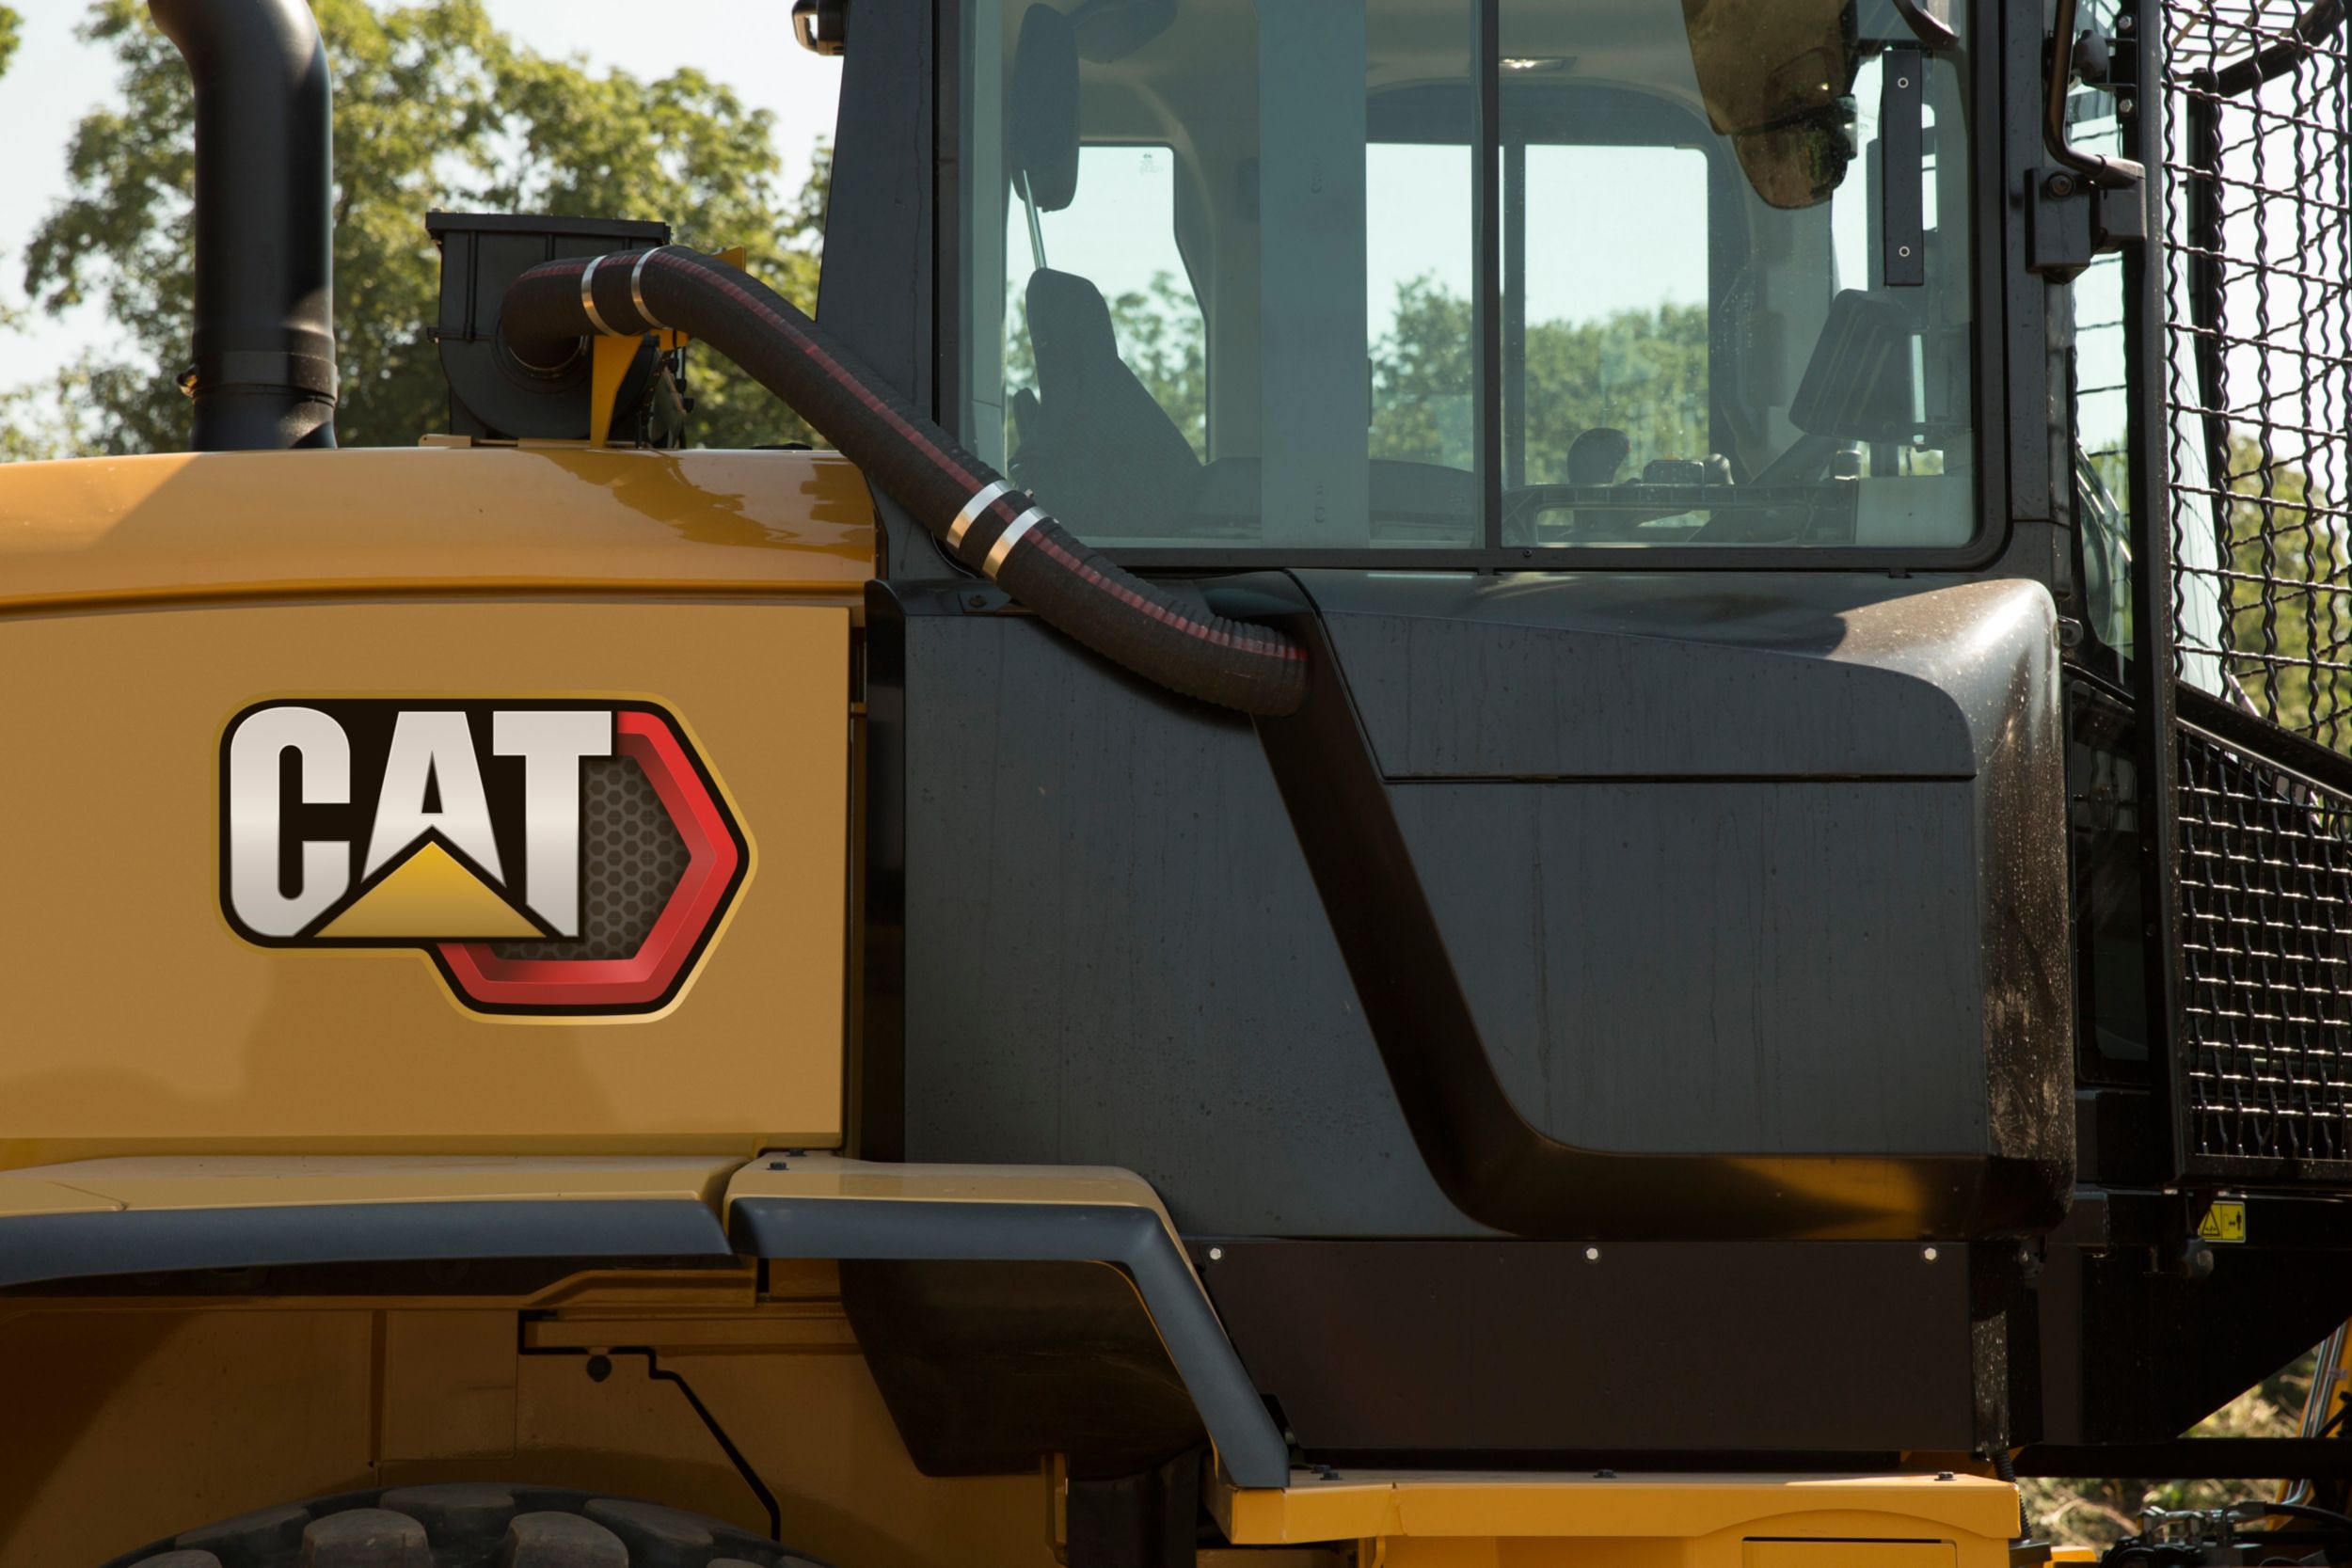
(2225, 1221)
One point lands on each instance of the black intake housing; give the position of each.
(492, 395)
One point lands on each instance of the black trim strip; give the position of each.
(1494, 1165)
(1903, 170)
(2194, 1458)
(2260, 739)
(39, 1248)
(1487, 248)
(1129, 1238)
(2155, 690)
(1237, 557)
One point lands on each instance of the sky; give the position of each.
(55, 79)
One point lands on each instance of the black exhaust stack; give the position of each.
(264, 375)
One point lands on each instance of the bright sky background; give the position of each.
(747, 44)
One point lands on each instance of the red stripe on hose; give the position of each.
(1160, 612)
(832, 367)
(811, 351)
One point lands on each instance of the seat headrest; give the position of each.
(1043, 116)
(1070, 322)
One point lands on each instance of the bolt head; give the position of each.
(1591, 1255)
(1928, 1253)
(1217, 1255)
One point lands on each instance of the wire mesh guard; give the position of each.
(2265, 936)
(2258, 276)
(2259, 160)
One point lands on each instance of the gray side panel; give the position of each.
(1444, 699)
(1682, 676)
(1759, 968)
(1114, 954)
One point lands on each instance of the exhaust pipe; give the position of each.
(263, 371)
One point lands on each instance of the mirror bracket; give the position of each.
(1931, 30)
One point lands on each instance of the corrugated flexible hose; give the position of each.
(973, 510)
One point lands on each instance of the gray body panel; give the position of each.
(1115, 955)
(1747, 864)
(1712, 967)
(1787, 893)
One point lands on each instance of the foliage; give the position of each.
(2097, 1511)
(2283, 602)
(10, 26)
(1642, 372)
(434, 108)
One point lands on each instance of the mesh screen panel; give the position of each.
(2265, 936)
(2258, 284)
(635, 860)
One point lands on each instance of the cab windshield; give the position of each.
(1233, 278)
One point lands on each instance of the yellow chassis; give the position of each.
(140, 1407)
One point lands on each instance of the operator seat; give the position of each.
(1095, 447)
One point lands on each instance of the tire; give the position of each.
(468, 1526)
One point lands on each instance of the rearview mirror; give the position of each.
(1776, 79)
(1043, 115)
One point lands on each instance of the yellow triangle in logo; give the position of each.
(430, 897)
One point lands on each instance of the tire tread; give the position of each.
(467, 1524)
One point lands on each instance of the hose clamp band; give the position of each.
(981, 500)
(1011, 536)
(637, 287)
(588, 297)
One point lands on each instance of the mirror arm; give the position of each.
(2114, 174)
(1037, 230)
(1933, 31)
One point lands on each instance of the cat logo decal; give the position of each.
(552, 857)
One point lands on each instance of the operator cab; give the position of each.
(1715, 292)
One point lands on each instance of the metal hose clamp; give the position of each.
(637, 286)
(980, 501)
(1013, 534)
(588, 297)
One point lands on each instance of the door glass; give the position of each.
(1416, 245)
(1120, 232)
(1611, 343)
(1242, 299)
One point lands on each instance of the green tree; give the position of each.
(1641, 372)
(10, 25)
(2287, 626)
(434, 108)
(2096, 1511)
